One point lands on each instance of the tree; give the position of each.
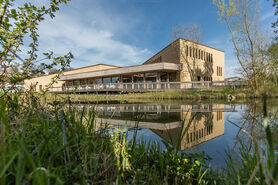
(241, 18)
(18, 27)
(275, 24)
(273, 49)
(53, 71)
(192, 34)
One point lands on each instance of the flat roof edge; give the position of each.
(123, 70)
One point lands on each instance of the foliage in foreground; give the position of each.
(57, 147)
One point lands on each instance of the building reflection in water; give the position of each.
(190, 124)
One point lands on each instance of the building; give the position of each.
(180, 65)
(190, 125)
(41, 82)
(234, 81)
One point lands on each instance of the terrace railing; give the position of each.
(148, 86)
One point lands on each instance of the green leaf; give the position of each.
(13, 11)
(9, 163)
(6, 19)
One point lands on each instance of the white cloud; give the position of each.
(91, 37)
(232, 68)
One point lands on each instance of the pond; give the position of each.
(213, 128)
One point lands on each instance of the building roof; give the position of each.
(201, 44)
(124, 70)
(235, 78)
(78, 69)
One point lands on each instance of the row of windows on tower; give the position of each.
(219, 71)
(198, 54)
(219, 116)
(198, 134)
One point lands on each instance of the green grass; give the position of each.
(227, 95)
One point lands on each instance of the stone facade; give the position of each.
(206, 63)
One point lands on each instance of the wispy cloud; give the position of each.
(91, 37)
(267, 15)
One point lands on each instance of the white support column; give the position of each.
(158, 80)
(168, 85)
(144, 81)
(132, 81)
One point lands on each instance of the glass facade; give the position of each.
(116, 79)
(94, 81)
(127, 79)
(163, 76)
(138, 78)
(173, 77)
(106, 80)
(151, 77)
(137, 81)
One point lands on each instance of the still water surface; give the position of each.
(213, 128)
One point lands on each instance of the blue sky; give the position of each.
(128, 32)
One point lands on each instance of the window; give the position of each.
(199, 54)
(190, 53)
(172, 77)
(202, 55)
(199, 78)
(94, 81)
(186, 51)
(138, 78)
(219, 116)
(106, 80)
(163, 76)
(116, 79)
(196, 53)
(151, 77)
(69, 83)
(127, 79)
(40, 87)
(221, 71)
(76, 82)
(208, 57)
(83, 82)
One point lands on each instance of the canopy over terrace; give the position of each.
(157, 67)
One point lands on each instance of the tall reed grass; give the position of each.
(50, 144)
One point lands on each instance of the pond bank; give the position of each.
(222, 94)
